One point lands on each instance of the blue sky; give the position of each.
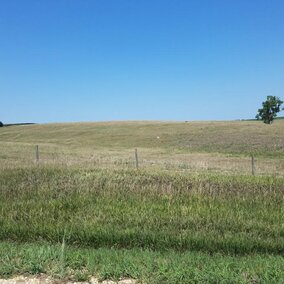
(94, 60)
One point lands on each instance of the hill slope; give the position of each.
(237, 137)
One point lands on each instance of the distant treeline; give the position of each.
(254, 119)
(15, 124)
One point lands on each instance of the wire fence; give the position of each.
(30, 155)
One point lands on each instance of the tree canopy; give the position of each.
(269, 109)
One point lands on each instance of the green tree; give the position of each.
(1, 124)
(269, 109)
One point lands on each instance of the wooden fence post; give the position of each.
(136, 159)
(252, 165)
(37, 154)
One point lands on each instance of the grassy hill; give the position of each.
(224, 146)
(192, 213)
(238, 137)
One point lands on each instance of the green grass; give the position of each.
(146, 265)
(132, 209)
(191, 214)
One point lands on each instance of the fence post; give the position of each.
(252, 165)
(37, 154)
(136, 159)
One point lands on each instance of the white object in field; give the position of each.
(158, 137)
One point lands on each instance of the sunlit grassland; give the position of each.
(159, 227)
(238, 137)
(192, 213)
(223, 147)
(149, 266)
(141, 209)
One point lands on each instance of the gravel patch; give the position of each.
(48, 280)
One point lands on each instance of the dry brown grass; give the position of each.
(194, 146)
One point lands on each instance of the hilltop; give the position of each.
(230, 137)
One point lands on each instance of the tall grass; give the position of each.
(84, 209)
(151, 267)
(142, 209)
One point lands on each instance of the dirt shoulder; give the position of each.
(48, 280)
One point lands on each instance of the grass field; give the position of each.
(74, 215)
(149, 266)
(220, 147)
(235, 137)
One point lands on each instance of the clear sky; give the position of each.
(93, 60)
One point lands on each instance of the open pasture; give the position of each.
(191, 213)
(224, 147)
